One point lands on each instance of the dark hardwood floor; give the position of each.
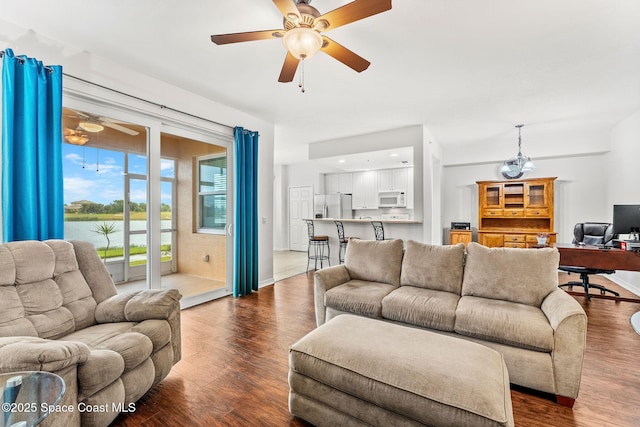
(234, 366)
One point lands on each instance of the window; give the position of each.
(212, 193)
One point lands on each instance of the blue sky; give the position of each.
(97, 175)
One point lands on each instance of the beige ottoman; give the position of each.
(355, 371)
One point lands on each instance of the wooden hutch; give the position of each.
(512, 213)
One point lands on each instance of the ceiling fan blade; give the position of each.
(119, 128)
(354, 11)
(287, 7)
(245, 37)
(288, 68)
(344, 55)
(79, 114)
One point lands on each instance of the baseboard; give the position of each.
(267, 282)
(628, 286)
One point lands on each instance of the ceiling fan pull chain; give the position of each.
(301, 84)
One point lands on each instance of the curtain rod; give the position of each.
(161, 106)
(21, 61)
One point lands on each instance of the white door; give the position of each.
(300, 207)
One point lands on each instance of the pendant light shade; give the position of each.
(515, 167)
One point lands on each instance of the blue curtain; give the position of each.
(32, 186)
(245, 262)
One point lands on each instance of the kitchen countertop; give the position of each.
(368, 220)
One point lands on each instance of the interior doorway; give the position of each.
(300, 207)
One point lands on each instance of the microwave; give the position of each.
(392, 199)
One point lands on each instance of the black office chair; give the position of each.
(590, 233)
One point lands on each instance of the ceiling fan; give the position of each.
(91, 123)
(302, 37)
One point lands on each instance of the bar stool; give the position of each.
(343, 241)
(378, 230)
(318, 243)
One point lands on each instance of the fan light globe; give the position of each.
(77, 139)
(302, 42)
(91, 127)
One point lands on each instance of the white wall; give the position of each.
(588, 184)
(623, 185)
(116, 76)
(581, 183)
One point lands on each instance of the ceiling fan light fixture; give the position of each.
(76, 139)
(91, 126)
(302, 42)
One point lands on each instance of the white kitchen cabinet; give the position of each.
(365, 190)
(338, 183)
(393, 179)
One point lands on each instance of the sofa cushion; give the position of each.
(374, 260)
(358, 297)
(524, 276)
(102, 368)
(421, 307)
(433, 266)
(513, 324)
(76, 294)
(38, 292)
(158, 331)
(134, 347)
(7, 267)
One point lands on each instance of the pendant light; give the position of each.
(515, 167)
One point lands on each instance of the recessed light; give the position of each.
(394, 155)
(342, 161)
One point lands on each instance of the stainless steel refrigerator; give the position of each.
(336, 206)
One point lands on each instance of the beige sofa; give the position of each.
(60, 312)
(504, 298)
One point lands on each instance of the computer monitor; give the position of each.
(626, 219)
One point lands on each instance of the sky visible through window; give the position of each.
(97, 175)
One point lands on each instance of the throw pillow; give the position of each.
(524, 276)
(374, 260)
(433, 266)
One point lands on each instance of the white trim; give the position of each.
(628, 286)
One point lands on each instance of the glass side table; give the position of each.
(27, 397)
(635, 322)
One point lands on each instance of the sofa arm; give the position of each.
(144, 305)
(138, 306)
(569, 322)
(323, 280)
(20, 353)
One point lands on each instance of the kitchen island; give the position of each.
(405, 229)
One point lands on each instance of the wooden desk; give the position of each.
(594, 257)
(605, 259)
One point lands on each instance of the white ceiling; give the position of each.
(467, 69)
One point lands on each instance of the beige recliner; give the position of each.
(60, 312)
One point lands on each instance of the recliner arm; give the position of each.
(20, 353)
(138, 306)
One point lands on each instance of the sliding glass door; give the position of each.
(130, 189)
